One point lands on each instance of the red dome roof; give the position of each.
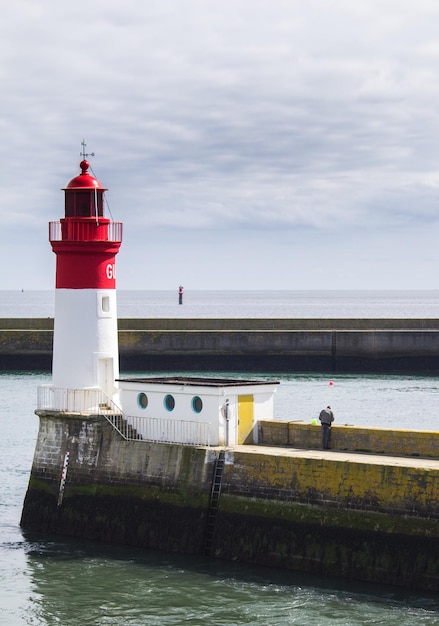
(85, 180)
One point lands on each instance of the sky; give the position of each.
(245, 144)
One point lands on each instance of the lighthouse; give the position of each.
(85, 242)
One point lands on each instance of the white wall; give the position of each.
(213, 399)
(83, 334)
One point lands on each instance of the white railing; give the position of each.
(85, 231)
(169, 431)
(94, 401)
(85, 401)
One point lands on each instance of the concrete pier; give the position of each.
(324, 345)
(369, 517)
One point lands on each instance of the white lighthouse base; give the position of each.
(85, 343)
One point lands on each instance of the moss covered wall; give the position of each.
(152, 495)
(349, 544)
(99, 455)
(366, 484)
(278, 507)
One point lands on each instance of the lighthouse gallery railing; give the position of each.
(94, 401)
(89, 230)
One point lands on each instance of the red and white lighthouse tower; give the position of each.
(85, 345)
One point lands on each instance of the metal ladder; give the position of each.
(215, 493)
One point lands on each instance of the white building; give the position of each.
(213, 411)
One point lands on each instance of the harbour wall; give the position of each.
(358, 516)
(329, 345)
(403, 442)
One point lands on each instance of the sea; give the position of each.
(50, 580)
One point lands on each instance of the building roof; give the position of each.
(85, 180)
(199, 380)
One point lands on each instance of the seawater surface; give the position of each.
(47, 580)
(243, 304)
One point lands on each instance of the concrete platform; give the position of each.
(345, 457)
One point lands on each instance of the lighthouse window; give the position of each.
(106, 304)
(83, 204)
(100, 203)
(142, 400)
(169, 402)
(197, 404)
(69, 205)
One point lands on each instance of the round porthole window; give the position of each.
(197, 404)
(169, 402)
(142, 400)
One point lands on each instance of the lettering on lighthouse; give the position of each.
(111, 271)
(95, 269)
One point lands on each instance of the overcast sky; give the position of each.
(246, 144)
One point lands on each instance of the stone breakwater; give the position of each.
(362, 516)
(364, 345)
(402, 442)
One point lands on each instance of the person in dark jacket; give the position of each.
(326, 418)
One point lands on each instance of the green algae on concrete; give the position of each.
(296, 512)
(120, 516)
(390, 558)
(174, 497)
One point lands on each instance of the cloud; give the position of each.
(231, 117)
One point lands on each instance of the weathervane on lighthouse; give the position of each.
(85, 242)
(83, 153)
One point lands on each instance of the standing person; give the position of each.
(326, 418)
